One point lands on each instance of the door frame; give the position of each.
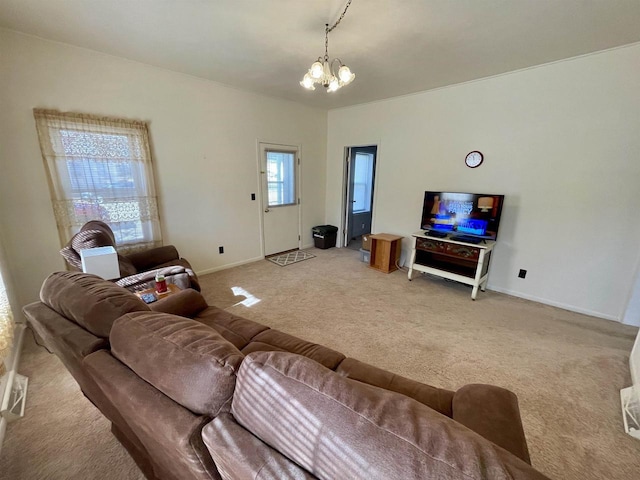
(345, 189)
(261, 145)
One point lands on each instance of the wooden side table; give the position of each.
(385, 251)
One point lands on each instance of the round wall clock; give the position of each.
(473, 159)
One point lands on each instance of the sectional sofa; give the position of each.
(194, 392)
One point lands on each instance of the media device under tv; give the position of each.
(468, 217)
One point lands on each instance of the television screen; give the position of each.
(464, 214)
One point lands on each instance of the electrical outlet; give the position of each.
(220, 249)
(522, 273)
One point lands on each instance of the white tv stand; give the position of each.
(466, 263)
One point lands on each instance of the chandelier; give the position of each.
(333, 74)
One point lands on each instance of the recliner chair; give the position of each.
(138, 269)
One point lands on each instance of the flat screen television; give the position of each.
(470, 215)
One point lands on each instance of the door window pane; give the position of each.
(362, 182)
(281, 178)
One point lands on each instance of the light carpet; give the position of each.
(566, 368)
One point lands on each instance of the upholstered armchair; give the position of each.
(137, 270)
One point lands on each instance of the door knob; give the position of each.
(266, 210)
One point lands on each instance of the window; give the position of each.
(362, 182)
(100, 169)
(281, 178)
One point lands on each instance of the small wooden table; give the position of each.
(171, 289)
(385, 251)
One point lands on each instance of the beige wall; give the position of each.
(561, 141)
(204, 139)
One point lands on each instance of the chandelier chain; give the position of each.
(339, 19)
(328, 29)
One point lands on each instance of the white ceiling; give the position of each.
(395, 47)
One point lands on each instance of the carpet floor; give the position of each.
(566, 368)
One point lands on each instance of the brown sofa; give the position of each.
(137, 270)
(194, 392)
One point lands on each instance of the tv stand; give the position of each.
(453, 259)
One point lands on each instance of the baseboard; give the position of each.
(242, 262)
(228, 265)
(552, 303)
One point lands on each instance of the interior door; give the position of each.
(361, 166)
(280, 198)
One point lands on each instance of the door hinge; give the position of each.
(298, 201)
(298, 237)
(298, 160)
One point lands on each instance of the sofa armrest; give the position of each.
(148, 259)
(61, 336)
(186, 303)
(169, 432)
(493, 413)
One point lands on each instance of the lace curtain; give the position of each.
(6, 326)
(100, 169)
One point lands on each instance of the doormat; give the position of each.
(290, 257)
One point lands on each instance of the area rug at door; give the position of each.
(289, 258)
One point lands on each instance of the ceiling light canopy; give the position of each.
(333, 74)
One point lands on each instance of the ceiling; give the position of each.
(395, 47)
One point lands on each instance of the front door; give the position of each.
(280, 202)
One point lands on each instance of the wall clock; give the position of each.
(474, 159)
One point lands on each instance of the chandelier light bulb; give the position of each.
(307, 82)
(316, 70)
(345, 75)
(333, 85)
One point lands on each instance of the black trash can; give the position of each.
(324, 236)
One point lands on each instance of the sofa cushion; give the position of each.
(184, 359)
(437, 398)
(88, 300)
(126, 267)
(185, 303)
(71, 256)
(92, 234)
(240, 455)
(274, 340)
(153, 257)
(334, 427)
(235, 329)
